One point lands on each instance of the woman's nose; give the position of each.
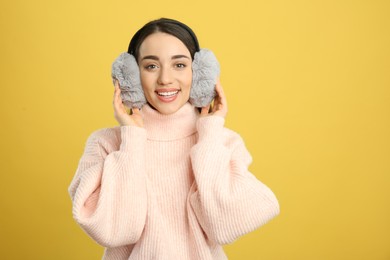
(165, 76)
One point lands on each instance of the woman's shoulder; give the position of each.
(231, 138)
(214, 126)
(107, 139)
(106, 133)
(235, 142)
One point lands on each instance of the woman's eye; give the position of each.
(151, 67)
(180, 65)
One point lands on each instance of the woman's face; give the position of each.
(166, 72)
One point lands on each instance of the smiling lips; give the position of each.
(167, 95)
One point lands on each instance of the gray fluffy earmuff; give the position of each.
(205, 70)
(125, 70)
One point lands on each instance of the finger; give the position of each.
(115, 96)
(219, 89)
(118, 98)
(221, 95)
(116, 87)
(221, 101)
(117, 83)
(215, 104)
(205, 110)
(221, 106)
(117, 102)
(135, 111)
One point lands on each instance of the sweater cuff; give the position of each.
(133, 138)
(210, 128)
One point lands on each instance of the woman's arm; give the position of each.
(228, 200)
(108, 190)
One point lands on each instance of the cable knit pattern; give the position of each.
(179, 188)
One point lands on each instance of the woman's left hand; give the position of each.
(219, 107)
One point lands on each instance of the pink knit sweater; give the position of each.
(179, 188)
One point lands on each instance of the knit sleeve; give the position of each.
(229, 201)
(108, 191)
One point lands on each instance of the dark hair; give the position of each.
(165, 25)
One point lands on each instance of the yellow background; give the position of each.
(308, 87)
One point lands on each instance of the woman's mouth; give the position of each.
(167, 95)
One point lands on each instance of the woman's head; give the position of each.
(164, 50)
(168, 26)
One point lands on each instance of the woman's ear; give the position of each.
(125, 69)
(205, 71)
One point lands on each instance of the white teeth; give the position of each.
(167, 94)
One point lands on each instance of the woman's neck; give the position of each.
(174, 126)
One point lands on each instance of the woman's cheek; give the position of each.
(146, 81)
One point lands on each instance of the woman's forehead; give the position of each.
(162, 44)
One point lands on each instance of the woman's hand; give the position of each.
(219, 107)
(120, 113)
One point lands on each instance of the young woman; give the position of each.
(170, 182)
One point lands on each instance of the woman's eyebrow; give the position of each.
(150, 57)
(153, 57)
(180, 56)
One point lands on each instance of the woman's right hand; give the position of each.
(120, 113)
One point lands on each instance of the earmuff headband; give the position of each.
(134, 40)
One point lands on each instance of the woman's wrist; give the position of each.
(210, 127)
(132, 137)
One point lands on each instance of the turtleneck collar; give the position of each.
(175, 126)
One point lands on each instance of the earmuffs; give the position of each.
(205, 70)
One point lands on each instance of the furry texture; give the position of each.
(205, 70)
(125, 70)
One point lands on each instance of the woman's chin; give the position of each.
(170, 107)
(167, 110)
